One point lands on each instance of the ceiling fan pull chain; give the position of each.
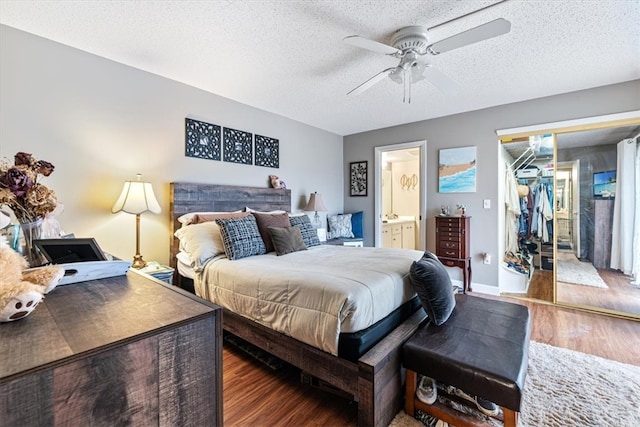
(409, 74)
(404, 87)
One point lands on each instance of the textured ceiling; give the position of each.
(287, 57)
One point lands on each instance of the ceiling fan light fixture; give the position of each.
(411, 45)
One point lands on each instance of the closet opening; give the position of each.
(530, 200)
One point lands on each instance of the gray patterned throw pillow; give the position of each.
(309, 232)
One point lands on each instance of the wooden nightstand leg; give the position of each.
(469, 275)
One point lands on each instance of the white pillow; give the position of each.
(187, 219)
(340, 226)
(248, 209)
(201, 242)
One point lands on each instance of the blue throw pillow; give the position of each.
(356, 225)
(433, 286)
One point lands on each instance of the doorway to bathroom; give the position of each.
(400, 195)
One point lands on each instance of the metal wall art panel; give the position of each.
(267, 151)
(238, 146)
(358, 178)
(202, 140)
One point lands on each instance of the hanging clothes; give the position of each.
(545, 217)
(542, 221)
(512, 211)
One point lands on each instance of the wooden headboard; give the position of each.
(189, 197)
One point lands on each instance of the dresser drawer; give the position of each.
(450, 253)
(450, 237)
(451, 222)
(451, 262)
(450, 230)
(444, 245)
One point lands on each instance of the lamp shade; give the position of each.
(137, 197)
(315, 203)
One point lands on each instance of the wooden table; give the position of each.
(126, 350)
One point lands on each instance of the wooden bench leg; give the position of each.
(410, 393)
(510, 417)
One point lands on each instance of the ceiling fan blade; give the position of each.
(440, 81)
(372, 81)
(486, 31)
(372, 45)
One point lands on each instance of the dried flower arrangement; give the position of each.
(21, 191)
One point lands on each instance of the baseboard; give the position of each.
(479, 287)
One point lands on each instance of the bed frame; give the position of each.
(375, 380)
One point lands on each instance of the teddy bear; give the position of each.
(21, 289)
(276, 182)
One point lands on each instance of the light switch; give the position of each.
(487, 203)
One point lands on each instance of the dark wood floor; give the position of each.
(255, 395)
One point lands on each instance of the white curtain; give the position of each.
(625, 250)
(636, 229)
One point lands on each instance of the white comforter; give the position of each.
(312, 295)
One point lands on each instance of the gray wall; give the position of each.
(478, 128)
(100, 122)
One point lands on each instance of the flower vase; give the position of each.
(31, 231)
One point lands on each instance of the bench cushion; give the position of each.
(482, 349)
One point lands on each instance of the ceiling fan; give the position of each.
(411, 46)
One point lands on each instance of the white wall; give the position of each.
(100, 122)
(478, 128)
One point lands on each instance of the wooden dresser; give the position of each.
(126, 350)
(452, 244)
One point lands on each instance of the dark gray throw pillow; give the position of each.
(287, 239)
(433, 286)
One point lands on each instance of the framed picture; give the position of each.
(62, 251)
(457, 170)
(358, 178)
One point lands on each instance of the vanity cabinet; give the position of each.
(603, 226)
(399, 235)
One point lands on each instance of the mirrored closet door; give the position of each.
(574, 229)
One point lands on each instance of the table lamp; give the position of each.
(137, 197)
(315, 204)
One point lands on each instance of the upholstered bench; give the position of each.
(482, 348)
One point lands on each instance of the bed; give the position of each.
(374, 379)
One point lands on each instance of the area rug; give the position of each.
(572, 270)
(567, 388)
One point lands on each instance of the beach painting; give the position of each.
(457, 170)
